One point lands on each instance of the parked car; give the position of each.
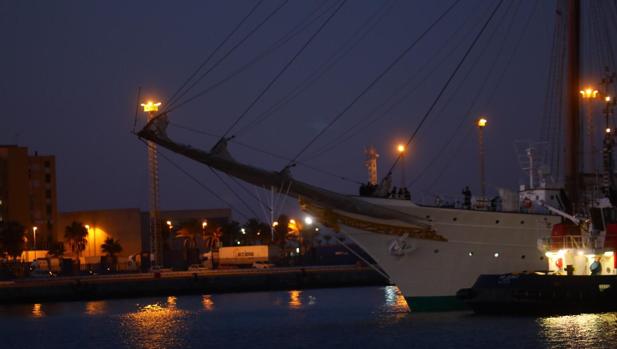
(263, 265)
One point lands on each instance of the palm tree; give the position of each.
(111, 247)
(76, 235)
(189, 230)
(12, 239)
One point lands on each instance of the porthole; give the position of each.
(522, 222)
(497, 221)
(454, 219)
(435, 251)
(428, 217)
(541, 258)
(522, 256)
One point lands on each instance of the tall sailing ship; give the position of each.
(430, 252)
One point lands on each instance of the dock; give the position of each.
(207, 281)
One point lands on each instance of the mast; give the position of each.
(371, 164)
(572, 136)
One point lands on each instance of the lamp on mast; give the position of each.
(589, 94)
(481, 124)
(156, 243)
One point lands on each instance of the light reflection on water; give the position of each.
(37, 311)
(362, 317)
(207, 302)
(155, 326)
(95, 308)
(295, 302)
(584, 330)
(395, 301)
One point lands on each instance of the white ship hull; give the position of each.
(430, 272)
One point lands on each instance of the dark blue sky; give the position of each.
(70, 72)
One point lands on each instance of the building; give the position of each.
(129, 226)
(28, 193)
(123, 225)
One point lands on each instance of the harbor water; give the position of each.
(361, 317)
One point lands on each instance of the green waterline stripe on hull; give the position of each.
(440, 303)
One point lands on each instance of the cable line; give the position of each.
(220, 60)
(282, 71)
(207, 59)
(188, 174)
(259, 150)
(428, 112)
(374, 82)
(363, 30)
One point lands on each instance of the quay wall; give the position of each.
(175, 283)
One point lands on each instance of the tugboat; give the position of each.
(581, 273)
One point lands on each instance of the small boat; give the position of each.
(541, 294)
(581, 278)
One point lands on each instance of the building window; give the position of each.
(48, 209)
(47, 164)
(48, 193)
(47, 178)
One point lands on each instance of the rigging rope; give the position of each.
(428, 112)
(480, 90)
(274, 155)
(188, 174)
(282, 71)
(363, 30)
(233, 192)
(171, 100)
(220, 60)
(374, 82)
(373, 116)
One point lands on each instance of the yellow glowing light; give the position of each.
(549, 254)
(151, 106)
(580, 252)
(608, 254)
(482, 122)
(204, 224)
(608, 130)
(607, 99)
(169, 223)
(589, 93)
(87, 226)
(274, 224)
(400, 148)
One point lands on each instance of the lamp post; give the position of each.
(156, 248)
(401, 153)
(34, 228)
(588, 95)
(481, 123)
(87, 226)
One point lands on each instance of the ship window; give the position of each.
(496, 255)
(522, 222)
(428, 217)
(435, 251)
(454, 219)
(497, 221)
(541, 258)
(522, 256)
(470, 253)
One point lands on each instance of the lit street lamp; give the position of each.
(401, 153)
(481, 123)
(34, 228)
